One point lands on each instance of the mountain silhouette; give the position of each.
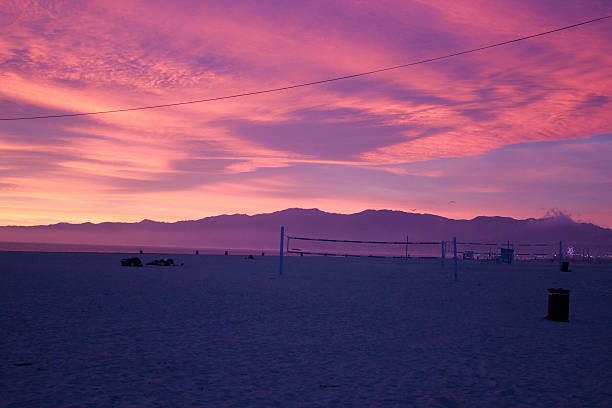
(262, 230)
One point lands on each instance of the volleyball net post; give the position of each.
(282, 237)
(455, 255)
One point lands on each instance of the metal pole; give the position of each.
(455, 254)
(560, 255)
(443, 254)
(282, 237)
(552, 252)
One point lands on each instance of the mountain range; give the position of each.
(262, 231)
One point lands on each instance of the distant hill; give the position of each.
(262, 230)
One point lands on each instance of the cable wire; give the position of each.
(324, 81)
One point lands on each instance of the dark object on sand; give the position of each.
(565, 267)
(263, 254)
(23, 364)
(131, 262)
(197, 252)
(558, 304)
(507, 255)
(140, 251)
(250, 257)
(162, 262)
(226, 253)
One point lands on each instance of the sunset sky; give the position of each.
(520, 130)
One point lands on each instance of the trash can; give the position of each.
(558, 304)
(565, 267)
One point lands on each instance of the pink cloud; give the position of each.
(73, 57)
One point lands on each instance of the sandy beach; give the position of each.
(80, 330)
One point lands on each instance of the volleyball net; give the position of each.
(499, 250)
(299, 245)
(363, 248)
(487, 251)
(469, 250)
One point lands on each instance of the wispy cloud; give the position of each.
(400, 139)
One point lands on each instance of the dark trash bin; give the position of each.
(558, 304)
(565, 267)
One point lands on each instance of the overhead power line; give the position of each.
(323, 81)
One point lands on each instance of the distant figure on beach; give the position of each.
(226, 253)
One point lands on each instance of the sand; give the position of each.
(77, 329)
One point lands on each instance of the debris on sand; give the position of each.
(162, 262)
(131, 262)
